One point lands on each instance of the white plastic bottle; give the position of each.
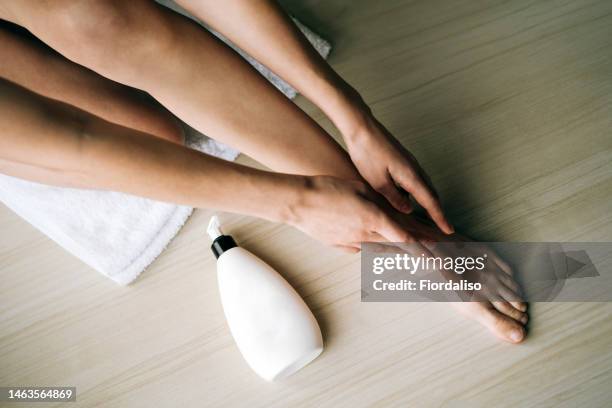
(272, 326)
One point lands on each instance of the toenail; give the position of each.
(516, 335)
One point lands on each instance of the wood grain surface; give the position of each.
(507, 104)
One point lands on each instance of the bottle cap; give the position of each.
(221, 243)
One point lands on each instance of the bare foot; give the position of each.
(499, 305)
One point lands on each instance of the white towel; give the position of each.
(117, 234)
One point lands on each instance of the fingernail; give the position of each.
(516, 335)
(524, 319)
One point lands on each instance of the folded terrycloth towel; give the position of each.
(117, 234)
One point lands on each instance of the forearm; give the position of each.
(167, 172)
(53, 143)
(249, 24)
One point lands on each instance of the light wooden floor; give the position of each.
(508, 104)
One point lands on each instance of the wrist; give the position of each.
(348, 111)
(290, 198)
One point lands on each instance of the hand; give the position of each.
(392, 170)
(345, 213)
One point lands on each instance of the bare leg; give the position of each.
(75, 148)
(208, 86)
(30, 63)
(201, 80)
(80, 150)
(293, 58)
(297, 62)
(382, 161)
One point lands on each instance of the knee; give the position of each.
(150, 117)
(103, 34)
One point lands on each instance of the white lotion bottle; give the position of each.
(273, 328)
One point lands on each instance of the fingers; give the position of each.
(380, 225)
(428, 200)
(411, 228)
(400, 201)
(431, 204)
(348, 249)
(418, 228)
(373, 237)
(392, 231)
(428, 182)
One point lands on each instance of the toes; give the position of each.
(510, 311)
(503, 326)
(513, 297)
(501, 263)
(522, 306)
(510, 283)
